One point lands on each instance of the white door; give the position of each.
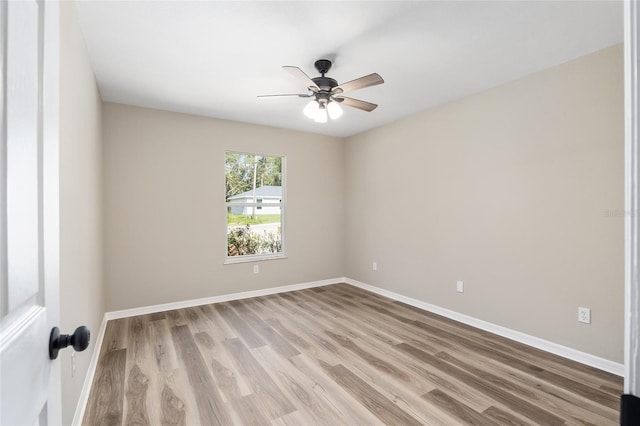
(29, 299)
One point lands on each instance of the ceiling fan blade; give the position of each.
(299, 74)
(359, 83)
(290, 95)
(356, 103)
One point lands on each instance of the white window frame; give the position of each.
(266, 256)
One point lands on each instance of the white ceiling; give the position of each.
(214, 58)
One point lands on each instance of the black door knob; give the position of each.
(79, 340)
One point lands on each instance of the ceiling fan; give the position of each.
(327, 93)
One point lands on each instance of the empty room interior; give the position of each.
(342, 212)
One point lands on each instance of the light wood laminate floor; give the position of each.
(329, 356)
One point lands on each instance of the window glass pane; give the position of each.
(249, 236)
(254, 200)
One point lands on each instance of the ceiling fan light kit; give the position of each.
(334, 110)
(311, 109)
(321, 115)
(327, 93)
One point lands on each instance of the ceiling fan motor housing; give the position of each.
(325, 83)
(323, 66)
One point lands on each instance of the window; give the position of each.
(255, 206)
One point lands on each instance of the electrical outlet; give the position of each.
(460, 286)
(584, 315)
(256, 269)
(374, 266)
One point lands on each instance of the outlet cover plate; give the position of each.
(584, 315)
(460, 286)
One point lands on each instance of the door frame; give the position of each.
(632, 198)
(50, 187)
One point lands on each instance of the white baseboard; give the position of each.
(91, 371)
(217, 299)
(545, 345)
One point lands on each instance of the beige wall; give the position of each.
(81, 291)
(165, 218)
(507, 190)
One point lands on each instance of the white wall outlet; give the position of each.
(460, 286)
(374, 266)
(584, 315)
(256, 269)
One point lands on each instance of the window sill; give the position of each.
(253, 258)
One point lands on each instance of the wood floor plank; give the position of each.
(373, 400)
(452, 384)
(261, 383)
(175, 318)
(265, 330)
(517, 404)
(333, 355)
(157, 316)
(210, 338)
(343, 404)
(320, 346)
(289, 335)
(231, 384)
(356, 314)
(194, 319)
(141, 375)
(165, 353)
(548, 401)
(248, 409)
(106, 399)
(503, 417)
(227, 312)
(551, 377)
(115, 335)
(368, 357)
(222, 328)
(176, 399)
(407, 331)
(458, 410)
(298, 387)
(152, 351)
(211, 408)
(173, 413)
(290, 419)
(136, 394)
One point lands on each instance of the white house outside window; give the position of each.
(255, 206)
